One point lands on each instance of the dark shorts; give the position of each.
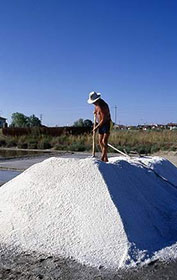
(105, 128)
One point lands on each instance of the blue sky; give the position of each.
(53, 53)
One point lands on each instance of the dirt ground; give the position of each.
(34, 267)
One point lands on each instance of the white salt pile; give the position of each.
(114, 214)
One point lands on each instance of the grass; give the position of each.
(144, 142)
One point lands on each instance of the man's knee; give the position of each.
(100, 142)
(104, 143)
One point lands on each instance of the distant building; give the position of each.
(144, 126)
(3, 122)
(120, 126)
(158, 126)
(132, 127)
(172, 126)
(152, 126)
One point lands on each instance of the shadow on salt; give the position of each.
(146, 204)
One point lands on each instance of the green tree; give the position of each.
(33, 121)
(79, 123)
(19, 120)
(83, 123)
(88, 123)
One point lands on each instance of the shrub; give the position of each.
(78, 147)
(61, 147)
(155, 148)
(143, 149)
(22, 145)
(32, 145)
(173, 148)
(2, 142)
(11, 143)
(44, 144)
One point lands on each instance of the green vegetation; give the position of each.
(83, 123)
(144, 142)
(20, 120)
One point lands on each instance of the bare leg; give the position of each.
(101, 145)
(105, 147)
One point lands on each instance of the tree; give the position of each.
(88, 123)
(33, 121)
(79, 123)
(20, 120)
(83, 123)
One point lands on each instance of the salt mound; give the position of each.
(113, 214)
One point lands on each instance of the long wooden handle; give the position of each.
(120, 152)
(94, 136)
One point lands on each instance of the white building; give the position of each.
(172, 126)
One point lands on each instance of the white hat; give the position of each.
(93, 97)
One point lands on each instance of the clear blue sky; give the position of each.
(54, 52)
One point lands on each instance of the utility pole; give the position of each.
(41, 118)
(115, 114)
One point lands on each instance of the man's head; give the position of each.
(93, 97)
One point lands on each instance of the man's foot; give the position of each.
(105, 159)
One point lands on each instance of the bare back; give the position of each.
(102, 111)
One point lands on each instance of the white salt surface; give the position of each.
(114, 214)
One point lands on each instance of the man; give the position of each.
(104, 119)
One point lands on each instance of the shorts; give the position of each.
(105, 128)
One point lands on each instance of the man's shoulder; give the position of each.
(104, 106)
(97, 107)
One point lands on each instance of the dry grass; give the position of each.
(141, 141)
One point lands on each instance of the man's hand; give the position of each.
(94, 129)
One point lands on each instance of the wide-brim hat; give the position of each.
(93, 97)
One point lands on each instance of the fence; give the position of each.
(51, 131)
